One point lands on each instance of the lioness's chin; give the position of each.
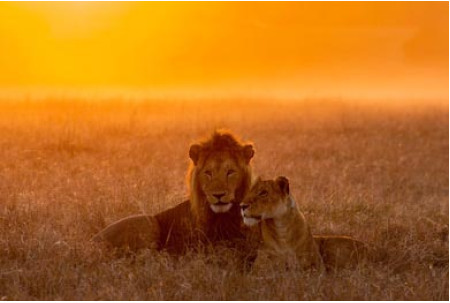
(223, 208)
(251, 221)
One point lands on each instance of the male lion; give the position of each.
(219, 178)
(285, 233)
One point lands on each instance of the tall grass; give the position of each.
(376, 171)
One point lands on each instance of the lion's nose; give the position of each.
(244, 206)
(218, 196)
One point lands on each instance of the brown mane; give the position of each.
(210, 223)
(221, 140)
(192, 222)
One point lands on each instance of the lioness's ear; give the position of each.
(283, 183)
(194, 153)
(248, 152)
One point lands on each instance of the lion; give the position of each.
(285, 234)
(219, 177)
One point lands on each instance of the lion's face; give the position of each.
(266, 200)
(222, 177)
(219, 179)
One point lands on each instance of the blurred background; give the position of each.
(370, 50)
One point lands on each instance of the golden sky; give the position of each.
(312, 49)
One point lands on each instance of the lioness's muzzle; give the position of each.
(253, 217)
(244, 206)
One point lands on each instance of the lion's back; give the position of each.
(133, 232)
(176, 228)
(344, 251)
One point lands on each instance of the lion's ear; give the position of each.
(283, 183)
(248, 152)
(194, 153)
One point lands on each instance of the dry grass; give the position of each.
(68, 168)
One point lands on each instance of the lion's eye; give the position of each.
(231, 172)
(208, 173)
(263, 193)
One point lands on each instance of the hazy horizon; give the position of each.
(284, 50)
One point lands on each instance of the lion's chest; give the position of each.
(223, 227)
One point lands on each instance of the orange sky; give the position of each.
(313, 49)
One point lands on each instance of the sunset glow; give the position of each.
(371, 49)
(133, 136)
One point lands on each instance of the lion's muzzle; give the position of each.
(221, 207)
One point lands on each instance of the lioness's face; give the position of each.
(220, 178)
(266, 200)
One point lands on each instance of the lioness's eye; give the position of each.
(231, 172)
(208, 173)
(263, 193)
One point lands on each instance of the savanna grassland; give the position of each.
(375, 171)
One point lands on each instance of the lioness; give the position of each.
(285, 233)
(219, 177)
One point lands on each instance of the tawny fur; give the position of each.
(212, 215)
(193, 222)
(286, 236)
(340, 252)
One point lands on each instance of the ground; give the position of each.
(375, 171)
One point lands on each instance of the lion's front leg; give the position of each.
(133, 232)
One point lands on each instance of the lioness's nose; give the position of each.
(218, 196)
(244, 206)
